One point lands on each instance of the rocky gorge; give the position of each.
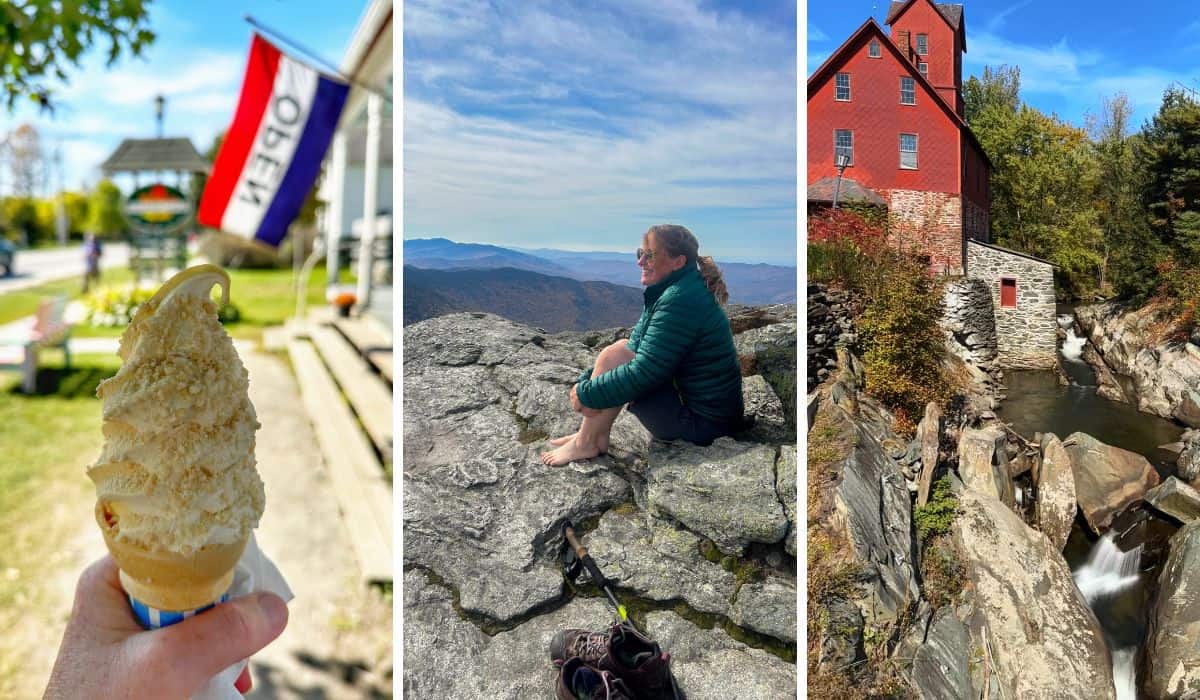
(700, 540)
(972, 561)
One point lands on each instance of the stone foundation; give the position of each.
(975, 222)
(931, 221)
(1026, 334)
(970, 321)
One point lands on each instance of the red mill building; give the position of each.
(893, 106)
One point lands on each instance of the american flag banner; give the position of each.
(272, 153)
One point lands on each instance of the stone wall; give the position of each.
(975, 221)
(1026, 334)
(970, 321)
(931, 221)
(830, 323)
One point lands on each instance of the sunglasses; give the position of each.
(646, 253)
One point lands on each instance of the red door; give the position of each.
(1008, 291)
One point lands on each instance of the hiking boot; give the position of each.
(623, 651)
(578, 681)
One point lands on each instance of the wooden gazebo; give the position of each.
(154, 248)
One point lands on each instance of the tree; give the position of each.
(999, 88)
(26, 160)
(1120, 215)
(1043, 180)
(1169, 150)
(105, 217)
(40, 39)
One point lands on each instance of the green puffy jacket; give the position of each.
(683, 336)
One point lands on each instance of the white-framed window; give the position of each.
(841, 87)
(908, 91)
(924, 68)
(843, 144)
(908, 151)
(873, 49)
(922, 44)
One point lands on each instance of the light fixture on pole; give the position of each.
(842, 161)
(159, 102)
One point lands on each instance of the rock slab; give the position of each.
(1173, 641)
(1107, 478)
(725, 492)
(983, 463)
(1176, 499)
(1056, 502)
(1036, 633)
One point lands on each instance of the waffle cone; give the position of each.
(170, 581)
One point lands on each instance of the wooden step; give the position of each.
(371, 338)
(359, 482)
(370, 396)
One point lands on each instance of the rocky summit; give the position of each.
(700, 540)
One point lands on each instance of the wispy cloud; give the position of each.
(815, 34)
(997, 21)
(541, 121)
(1079, 79)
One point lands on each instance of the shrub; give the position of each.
(942, 573)
(114, 306)
(936, 516)
(903, 343)
(844, 248)
(1179, 291)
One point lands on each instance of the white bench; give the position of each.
(19, 350)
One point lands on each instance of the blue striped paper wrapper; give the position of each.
(153, 618)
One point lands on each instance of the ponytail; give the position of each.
(711, 274)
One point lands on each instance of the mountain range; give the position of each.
(747, 283)
(550, 302)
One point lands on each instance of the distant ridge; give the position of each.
(758, 283)
(544, 301)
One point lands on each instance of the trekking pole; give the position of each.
(582, 557)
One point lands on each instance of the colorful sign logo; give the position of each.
(158, 207)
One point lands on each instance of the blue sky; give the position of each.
(578, 125)
(197, 62)
(1071, 54)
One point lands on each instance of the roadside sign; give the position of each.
(157, 208)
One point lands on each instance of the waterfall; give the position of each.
(1124, 674)
(1108, 570)
(1072, 348)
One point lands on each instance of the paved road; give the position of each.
(34, 267)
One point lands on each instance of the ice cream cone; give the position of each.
(171, 581)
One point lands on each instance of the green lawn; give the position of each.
(24, 302)
(264, 297)
(45, 435)
(46, 501)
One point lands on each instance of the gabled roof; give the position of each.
(953, 14)
(136, 155)
(1017, 253)
(822, 191)
(827, 69)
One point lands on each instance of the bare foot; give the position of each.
(560, 441)
(570, 452)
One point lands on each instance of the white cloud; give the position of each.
(815, 34)
(543, 120)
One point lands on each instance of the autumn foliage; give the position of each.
(901, 343)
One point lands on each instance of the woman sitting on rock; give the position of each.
(679, 371)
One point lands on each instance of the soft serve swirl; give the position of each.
(177, 470)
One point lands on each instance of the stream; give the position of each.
(1117, 585)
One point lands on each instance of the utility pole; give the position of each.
(60, 214)
(159, 103)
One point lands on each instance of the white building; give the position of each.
(358, 182)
